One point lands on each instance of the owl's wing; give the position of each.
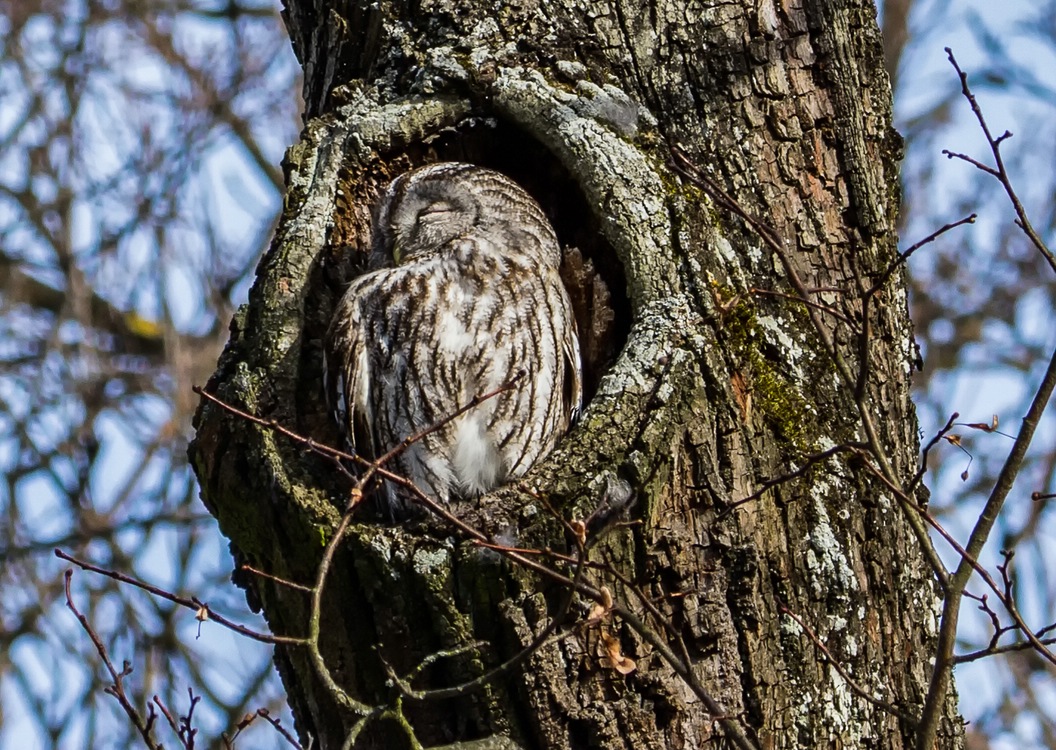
(346, 375)
(573, 387)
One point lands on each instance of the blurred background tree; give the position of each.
(139, 179)
(139, 182)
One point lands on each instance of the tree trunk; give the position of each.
(713, 388)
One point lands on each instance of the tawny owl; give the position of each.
(469, 296)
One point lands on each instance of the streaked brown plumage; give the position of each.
(468, 296)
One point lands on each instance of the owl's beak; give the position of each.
(397, 251)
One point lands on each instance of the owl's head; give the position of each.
(424, 211)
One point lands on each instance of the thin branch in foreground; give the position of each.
(974, 162)
(941, 434)
(410, 440)
(116, 688)
(681, 663)
(276, 723)
(181, 725)
(904, 256)
(201, 609)
(851, 683)
(995, 621)
(1001, 173)
(794, 474)
(993, 648)
(276, 579)
(337, 457)
(1008, 648)
(816, 305)
(971, 562)
(333, 454)
(540, 640)
(942, 672)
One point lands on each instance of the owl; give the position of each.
(466, 299)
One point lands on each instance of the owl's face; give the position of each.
(424, 211)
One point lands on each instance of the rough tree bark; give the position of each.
(719, 382)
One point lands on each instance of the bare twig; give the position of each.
(808, 462)
(905, 255)
(333, 454)
(277, 725)
(201, 609)
(410, 440)
(336, 456)
(794, 298)
(944, 657)
(117, 685)
(851, 682)
(1000, 629)
(315, 618)
(927, 449)
(684, 669)
(1000, 173)
(280, 581)
(966, 559)
(995, 650)
(261, 713)
(1004, 594)
(680, 663)
(181, 726)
